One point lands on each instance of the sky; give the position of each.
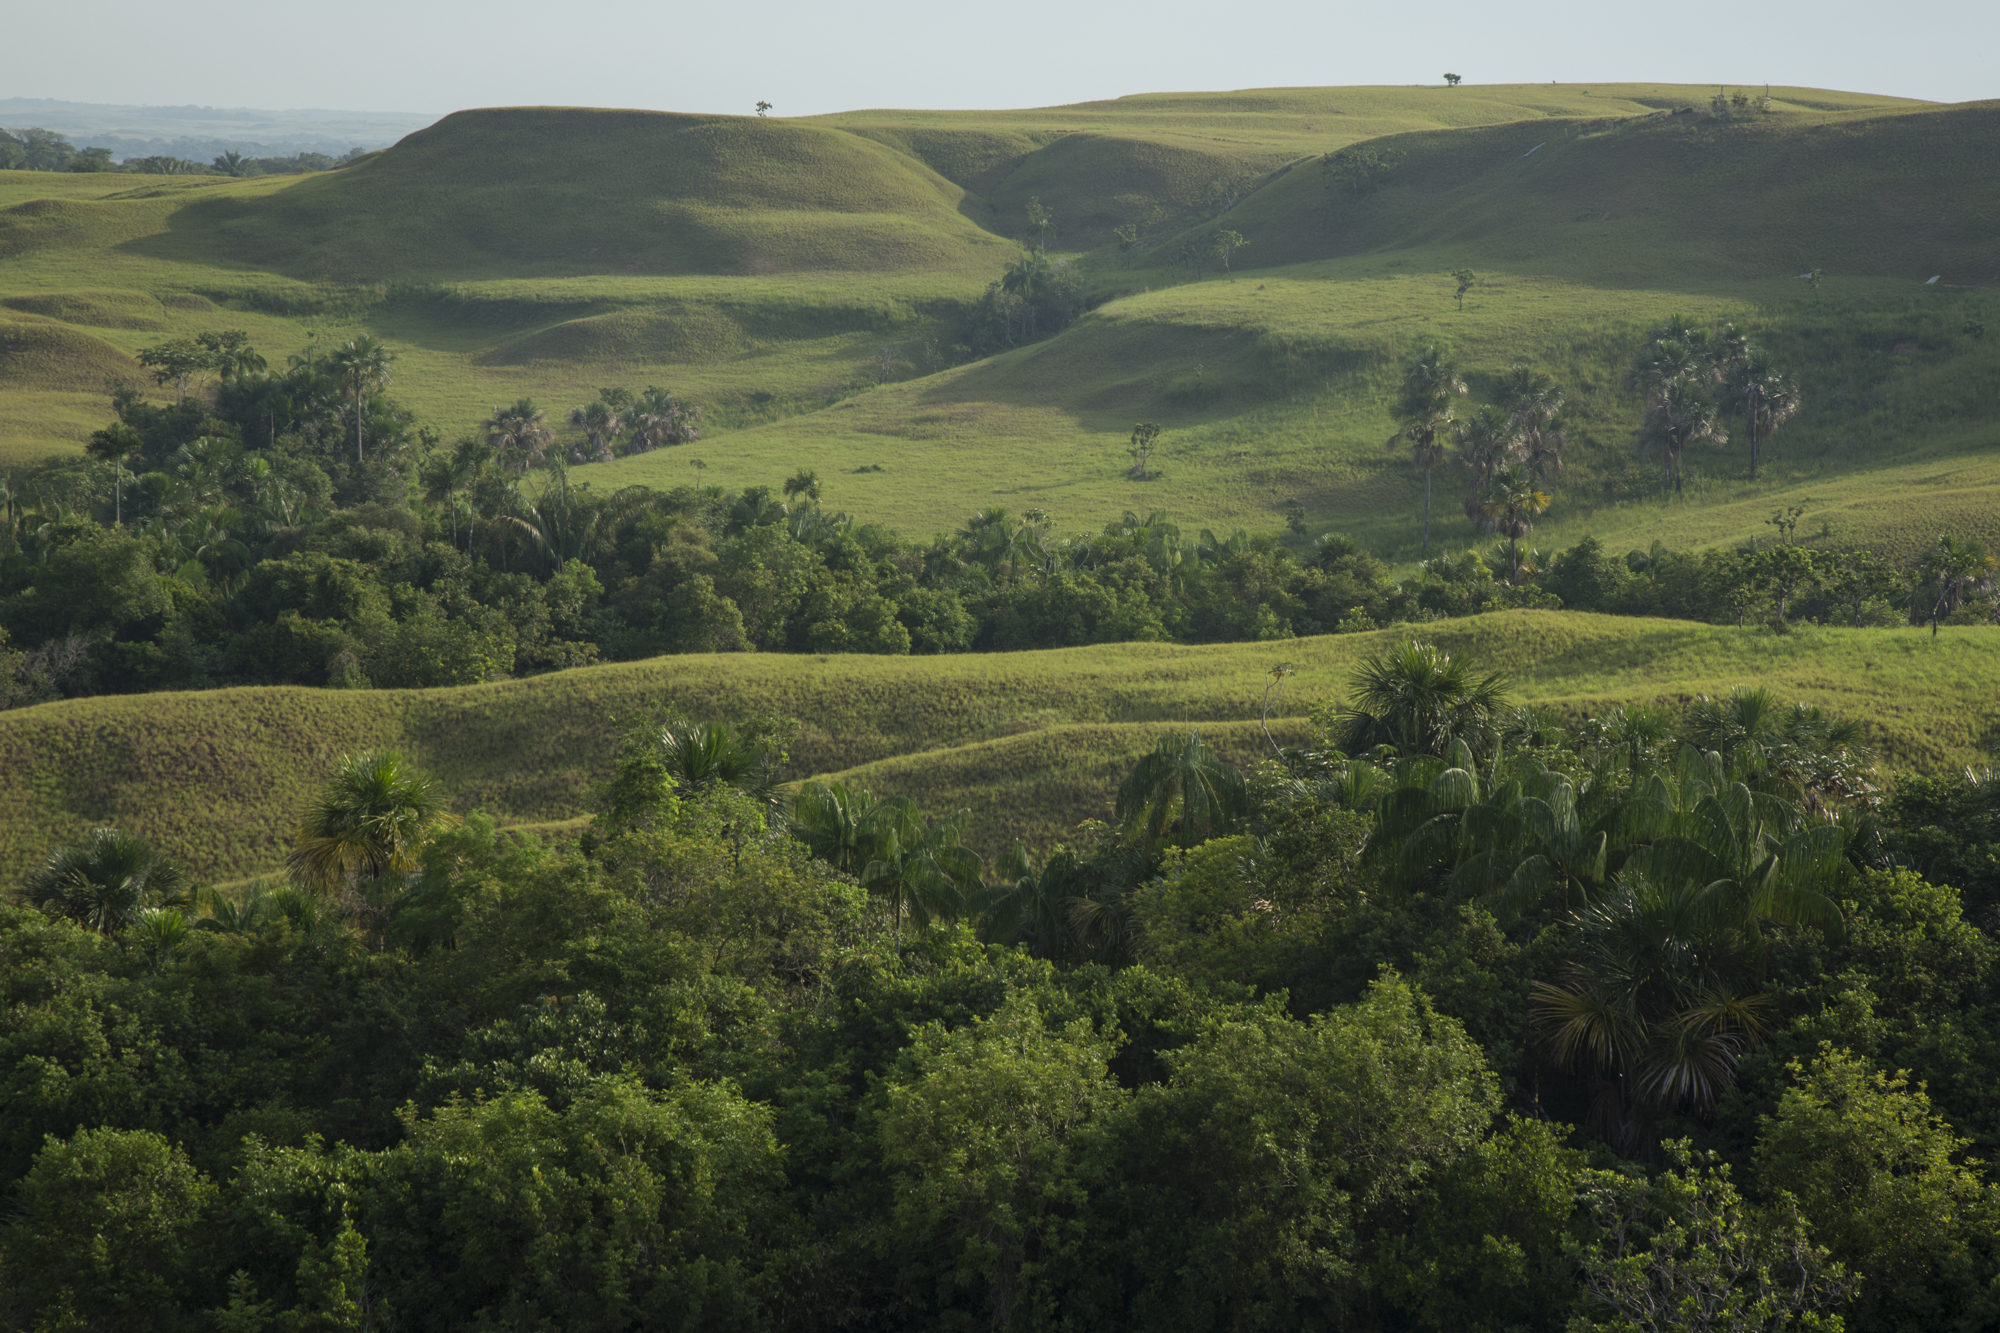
(811, 56)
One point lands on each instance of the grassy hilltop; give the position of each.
(758, 265)
(1031, 742)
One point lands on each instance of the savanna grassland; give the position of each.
(761, 267)
(1031, 742)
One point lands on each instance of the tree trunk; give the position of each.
(1427, 511)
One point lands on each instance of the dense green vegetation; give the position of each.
(1456, 1017)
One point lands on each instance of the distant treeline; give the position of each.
(46, 150)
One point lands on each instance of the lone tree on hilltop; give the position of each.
(763, 107)
(1451, 80)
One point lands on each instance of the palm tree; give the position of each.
(1417, 700)
(1488, 444)
(1183, 789)
(107, 882)
(519, 433)
(1025, 280)
(1424, 407)
(1769, 400)
(921, 872)
(1656, 1000)
(834, 824)
(370, 821)
(444, 475)
(1035, 906)
(1679, 413)
(705, 755)
(1511, 505)
(1535, 402)
(1955, 566)
(600, 423)
(362, 367)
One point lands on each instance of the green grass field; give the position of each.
(758, 265)
(1030, 742)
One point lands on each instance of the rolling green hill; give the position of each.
(760, 266)
(1031, 742)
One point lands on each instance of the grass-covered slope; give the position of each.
(1031, 742)
(555, 192)
(759, 266)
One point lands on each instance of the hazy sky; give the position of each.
(808, 56)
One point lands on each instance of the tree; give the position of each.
(1466, 279)
(1026, 280)
(107, 882)
(230, 163)
(1781, 569)
(1679, 413)
(1417, 700)
(1769, 400)
(1183, 792)
(1451, 80)
(117, 444)
(370, 821)
(1511, 504)
(1425, 410)
(1954, 568)
(976, 1133)
(520, 434)
(1683, 1253)
(1041, 219)
(1145, 439)
(803, 482)
(660, 417)
(231, 355)
(1361, 167)
(1535, 401)
(763, 108)
(1882, 1180)
(600, 422)
(1855, 578)
(1227, 243)
(181, 362)
(1489, 444)
(361, 365)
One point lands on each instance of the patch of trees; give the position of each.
(1459, 1017)
(45, 150)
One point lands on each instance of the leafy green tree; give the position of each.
(1683, 1253)
(1886, 1186)
(1451, 80)
(1182, 793)
(107, 881)
(1781, 570)
(976, 1131)
(1855, 578)
(1227, 243)
(1424, 407)
(1041, 219)
(1466, 280)
(231, 355)
(181, 362)
(1361, 167)
(1145, 439)
(107, 1230)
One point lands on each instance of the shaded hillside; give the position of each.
(1673, 199)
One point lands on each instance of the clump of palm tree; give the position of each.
(519, 434)
(364, 833)
(600, 423)
(1512, 504)
(920, 871)
(107, 882)
(1418, 699)
(361, 365)
(1182, 793)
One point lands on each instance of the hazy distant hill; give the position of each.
(202, 132)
